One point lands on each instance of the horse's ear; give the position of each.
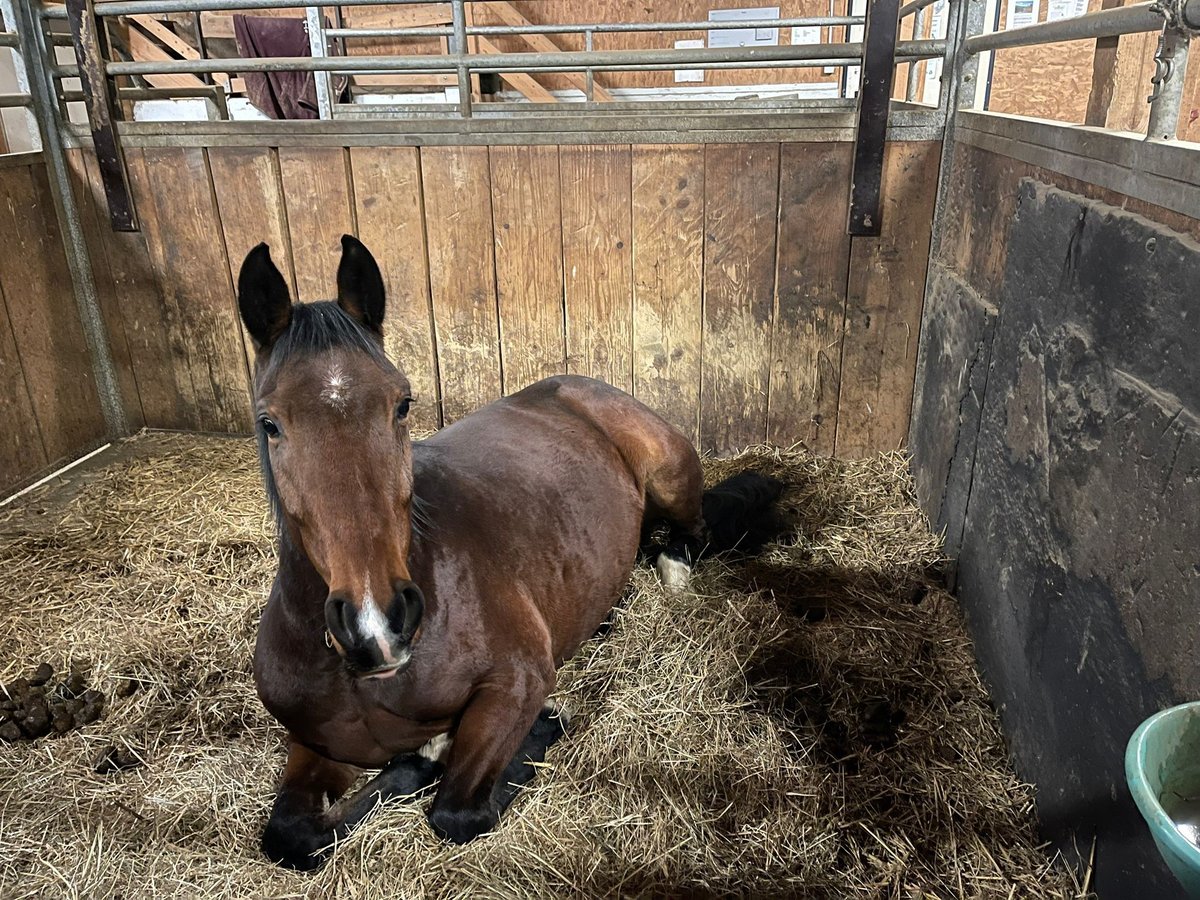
(360, 285)
(263, 298)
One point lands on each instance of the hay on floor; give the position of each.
(808, 723)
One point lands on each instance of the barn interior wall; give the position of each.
(49, 406)
(1056, 440)
(716, 282)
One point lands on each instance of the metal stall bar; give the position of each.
(915, 6)
(595, 27)
(870, 130)
(8, 101)
(458, 47)
(914, 71)
(154, 7)
(86, 32)
(314, 21)
(79, 264)
(1172, 60)
(12, 39)
(1103, 23)
(521, 62)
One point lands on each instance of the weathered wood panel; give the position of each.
(462, 277)
(810, 305)
(250, 203)
(883, 306)
(94, 222)
(529, 263)
(741, 184)
(21, 450)
(390, 212)
(668, 280)
(597, 261)
(183, 234)
(316, 192)
(44, 318)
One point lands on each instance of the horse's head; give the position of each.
(332, 421)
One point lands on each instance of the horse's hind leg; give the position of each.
(303, 824)
(675, 492)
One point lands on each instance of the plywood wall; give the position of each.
(714, 282)
(1054, 81)
(49, 407)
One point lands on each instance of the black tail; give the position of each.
(739, 517)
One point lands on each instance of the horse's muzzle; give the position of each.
(375, 643)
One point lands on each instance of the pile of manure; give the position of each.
(805, 723)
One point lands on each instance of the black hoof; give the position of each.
(296, 845)
(462, 825)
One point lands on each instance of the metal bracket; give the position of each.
(86, 36)
(870, 131)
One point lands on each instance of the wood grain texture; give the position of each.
(207, 361)
(22, 453)
(741, 185)
(597, 261)
(94, 222)
(316, 192)
(529, 263)
(387, 189)
(458, 229)
(250, 203)
(883, 306)
(44, 317)
(810, 303)
(668, 281)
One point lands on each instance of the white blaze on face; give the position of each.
(372, 624)
(337, 387)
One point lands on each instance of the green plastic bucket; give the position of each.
(1162, 767)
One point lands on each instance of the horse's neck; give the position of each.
(301, 586)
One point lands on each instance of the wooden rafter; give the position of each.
(510, 15)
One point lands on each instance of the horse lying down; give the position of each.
(428, 592)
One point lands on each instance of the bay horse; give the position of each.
(427, 592)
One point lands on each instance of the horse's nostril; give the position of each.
(339, 616)
(408, 605)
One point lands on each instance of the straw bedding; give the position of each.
(808, 723)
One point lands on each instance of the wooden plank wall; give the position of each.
(49, 406)
(715, 282)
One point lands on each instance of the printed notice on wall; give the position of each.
(1065, 9)
(807, 35)
(1021, 13)
(743, 37)
(689, 74)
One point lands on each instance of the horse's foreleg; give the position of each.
(305, 819)
(299, 826)
(493, 729)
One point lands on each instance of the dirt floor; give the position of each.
(808, 723)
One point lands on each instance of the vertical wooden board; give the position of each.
(597, 261)
(140, 303)
(179, 217)
(458, 228)
(387, 197)
(813, 263)
(250, 206)
(741, 192)
(44, 316)
(529, 272)
(94, 223)
(319, 212)
(21, 451)
(668, 280)
(883, 306)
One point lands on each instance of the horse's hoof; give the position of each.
(297, 846)
(462, 825)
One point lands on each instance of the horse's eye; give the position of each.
(269, 428)
(402, 408)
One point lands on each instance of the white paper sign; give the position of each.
(689, 74)
(743, 37)
(1022, 13)
(1065, 9)
(807, 35)
(854, 73)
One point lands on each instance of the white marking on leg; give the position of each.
(372, 624)
(435, 749)
(337, 388)
(558, 709)
(673, 573)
